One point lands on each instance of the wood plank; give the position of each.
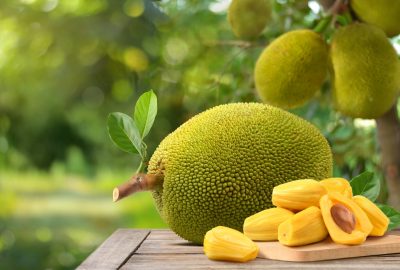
(113, 252)
(163, 235)
(169, 247)
(200, 261)
(328, 250)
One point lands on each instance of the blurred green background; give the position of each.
(66, 64)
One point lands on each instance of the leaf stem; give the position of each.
(323, 24)
(140, 167)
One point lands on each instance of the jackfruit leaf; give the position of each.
(366, 185)
(124, 133)
(145, 112)
(392, 214)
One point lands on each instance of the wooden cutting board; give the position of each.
(328, 250)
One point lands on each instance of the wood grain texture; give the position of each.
(328, 250)
(162, 249)
(113, 252)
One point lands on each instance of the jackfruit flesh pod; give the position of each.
(264, 225)
(383, 14)
(379, 220)
(365, 71)
(340, 185)
(337, 222)
(220, 166)
(223, 243)
(292, 69)
(305, 227)
(298, 194)
(248, 18)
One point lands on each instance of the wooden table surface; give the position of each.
(162, 249)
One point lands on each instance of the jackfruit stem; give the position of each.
(138, 182)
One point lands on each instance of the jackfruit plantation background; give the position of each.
(66, 64)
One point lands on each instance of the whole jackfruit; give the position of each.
(365, 71)
(291, 69)
(221, 166)
(383, 14)
(248, 18)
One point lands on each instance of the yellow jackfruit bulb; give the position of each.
(248, 18)
(346, 222)
(379, 220)
(226, 244)
(298, 194)
(305, 227)
(383, 14)
(340, 185)
(364, 72)
(263, 226)
(291, 69)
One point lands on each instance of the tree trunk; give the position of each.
(389, 141)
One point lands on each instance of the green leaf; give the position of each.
(367, 185)
(124, 133)
(392, 214)
(145, 112)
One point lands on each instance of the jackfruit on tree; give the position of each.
(305, 227)
(379, 220)
(383, 14)
(248, 18)
(264, 225)
(346, 222)
(220, 167)
(364, 72)
(298, 194)
(226, 244)
(291, 69)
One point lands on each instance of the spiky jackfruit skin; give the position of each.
(248, 18)
(383, 14)
(291, 69)
(364, 71)
(221, 166)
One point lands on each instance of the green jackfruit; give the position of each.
(383, 14)
(248, 18)
(221, 166)
(291, 69)
(364, 71)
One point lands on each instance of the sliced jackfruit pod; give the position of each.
(362, 226)
(298, 194)
(340, 185)
(223, 243)
(379, 220)
(303, 228)
(264, 225)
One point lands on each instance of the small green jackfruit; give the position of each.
(291, 69)
(263, 226)
(364, 71)
(383, 14)
(248, 18)
(220, 166)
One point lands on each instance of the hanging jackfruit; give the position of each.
(291, 69)
(365, 71)
(248, 18)
(383, 14)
